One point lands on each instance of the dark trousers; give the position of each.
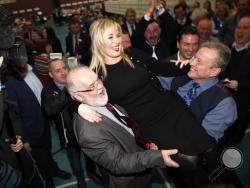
(74, 156)
(41, 153)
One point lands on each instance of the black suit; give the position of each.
(122, 162)
(83, 47)
(239, 69)
(126, 29)
(180, 27)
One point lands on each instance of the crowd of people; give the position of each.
(157, 91)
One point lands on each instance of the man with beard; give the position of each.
(111, 143)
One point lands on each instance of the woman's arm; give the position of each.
(85, 111)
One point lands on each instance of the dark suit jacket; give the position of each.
(122, 162)
(6, 154)
(125, 27)
(180, 27)
(239, 69)
(83, 48)
(28, 108)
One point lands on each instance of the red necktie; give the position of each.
(130, 123)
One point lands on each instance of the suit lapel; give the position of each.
(116, 126)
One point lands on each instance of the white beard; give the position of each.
(99, 100)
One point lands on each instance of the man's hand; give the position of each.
(1, 61)
(180, 63)
(89, 113)
(232, 84)
(17, 146)
(153, 146)
(167, 159)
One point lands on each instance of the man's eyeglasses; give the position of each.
(88, 90)
(93, 88)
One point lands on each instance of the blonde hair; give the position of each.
(97, 30)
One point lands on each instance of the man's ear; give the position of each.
(178, 44)
(215, 72)
(78, 97)
(50, 75)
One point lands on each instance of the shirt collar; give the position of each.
(60, 86)
(207, 84)
(178, 55)
(242, 48)
(183, 21)
(29, 68)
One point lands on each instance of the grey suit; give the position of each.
(122, 162)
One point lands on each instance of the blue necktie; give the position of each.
(191, 94)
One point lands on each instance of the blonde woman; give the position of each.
(161, 117)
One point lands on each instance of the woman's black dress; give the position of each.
(161, 117)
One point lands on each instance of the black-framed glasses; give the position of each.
(93, 88)
(88, 90)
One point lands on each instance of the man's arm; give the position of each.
(99, 145)
(220, 118)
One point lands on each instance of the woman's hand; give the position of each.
(89, 113)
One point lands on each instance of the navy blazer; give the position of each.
(28, 108)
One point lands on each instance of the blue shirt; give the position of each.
(217, 120)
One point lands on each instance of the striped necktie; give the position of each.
(191, 94)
